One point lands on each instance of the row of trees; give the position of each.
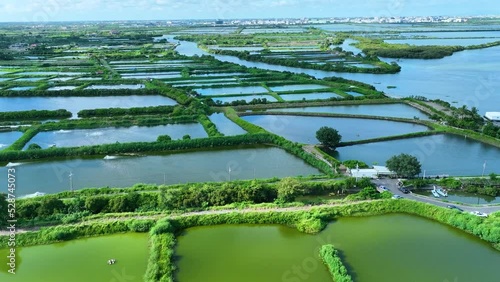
(462, 117)
(137, 147)
(34, 114)
(185, 197)
(153, 110)
(242, 102)
(381, 67)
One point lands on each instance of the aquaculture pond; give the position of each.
(247, 98)
(196, 166)
(119, 86)
(225, 125)
(254, 48)
(203, 81)
(218, 74)
(82, 260)
(62, 78)
(438, 154)
(76, 104)
(22, 88)
(58, 88)
(354, 94)
(48, 73)
(288, 88)
(88, 78)
(207, 84)
(303, 128)
(385, 110)
(309, 96)
(231, 90)
(385, 248)
(30, 79)
(8, 137)
(90, 137)
(151, 75)
(466, 78)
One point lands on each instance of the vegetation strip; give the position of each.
(34, 115)
(306, 219)
(330, 256)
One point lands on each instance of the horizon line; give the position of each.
(265, 18)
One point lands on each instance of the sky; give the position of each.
(78, 10)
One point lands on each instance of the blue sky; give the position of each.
(75, 10)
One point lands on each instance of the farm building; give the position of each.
(375, 172)
(493, 116)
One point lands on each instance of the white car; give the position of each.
(478, 213)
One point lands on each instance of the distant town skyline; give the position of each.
(100, 10)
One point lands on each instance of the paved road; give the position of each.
(392, 185)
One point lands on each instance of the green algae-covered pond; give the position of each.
(83, 260)
(375, 249)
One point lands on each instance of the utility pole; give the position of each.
(357, 171)
(71, 181)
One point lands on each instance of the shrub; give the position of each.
(138, 225)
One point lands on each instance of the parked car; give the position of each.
(478, 213)
(454, 208)
(404, 190)
(397, 197)
(383, 188)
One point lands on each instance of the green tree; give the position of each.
(328, 137)
(34, 146)
(493, 176)
(127, 203)
(164, 138)
(288, 188)
(404, 165)
(4, 215)
(96, 204)
(50, 206)
(27, 209)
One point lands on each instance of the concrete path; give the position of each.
(392, 185)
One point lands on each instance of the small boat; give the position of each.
(441, 192)
(434, 192)
(108, 157)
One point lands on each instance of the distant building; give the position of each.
(493, 116)
(374, 173)
(19, 47)
(219, 22)
(363, 172)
